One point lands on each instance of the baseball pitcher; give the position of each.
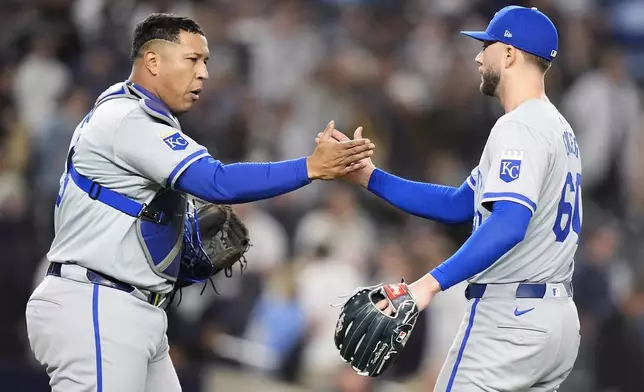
(521, 331)
(127, 232)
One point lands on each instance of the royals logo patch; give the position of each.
(510, 168)
(176, 142)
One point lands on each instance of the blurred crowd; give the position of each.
(280, 70)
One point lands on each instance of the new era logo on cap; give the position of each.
(527, 29)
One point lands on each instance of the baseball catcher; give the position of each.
(214, 240)
(374, 326)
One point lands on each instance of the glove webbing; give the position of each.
(228, 271)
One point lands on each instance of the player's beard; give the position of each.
(491, 80)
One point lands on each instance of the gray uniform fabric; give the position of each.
(88, 336)
(505, 343)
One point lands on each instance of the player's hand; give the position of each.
(359, 176)
(332, 159)
(423, 290)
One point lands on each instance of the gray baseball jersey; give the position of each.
(532, 158)
(118, 214)
(123, 148)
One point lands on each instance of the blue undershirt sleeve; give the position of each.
(210, 180)
(441, 203)
(498, 234)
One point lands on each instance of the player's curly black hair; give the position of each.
(161, 26)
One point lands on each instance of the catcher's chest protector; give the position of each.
(160, 224)
(160, 232)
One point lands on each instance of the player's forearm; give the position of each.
(210, 180)
(505, 228)
(437, 202)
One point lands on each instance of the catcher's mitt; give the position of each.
(215, 239)
(368, 338)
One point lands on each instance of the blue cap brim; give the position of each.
(479, 35)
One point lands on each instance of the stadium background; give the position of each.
(280, 70)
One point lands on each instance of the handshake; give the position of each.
(338, 156)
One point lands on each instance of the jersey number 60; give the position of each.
(571, 190)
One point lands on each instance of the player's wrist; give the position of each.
(433, 285)
(365, 176)
(424, 289)
(311, 171)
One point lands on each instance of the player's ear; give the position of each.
(151, 60)
(509, 55)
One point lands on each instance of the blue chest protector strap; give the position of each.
(106, 196)
(150, 105)
(160, 223)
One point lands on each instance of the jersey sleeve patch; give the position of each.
(510, 167)
(176, 142)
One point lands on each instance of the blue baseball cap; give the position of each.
(524, 28)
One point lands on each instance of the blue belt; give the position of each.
(104, 280)
(524, 290)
